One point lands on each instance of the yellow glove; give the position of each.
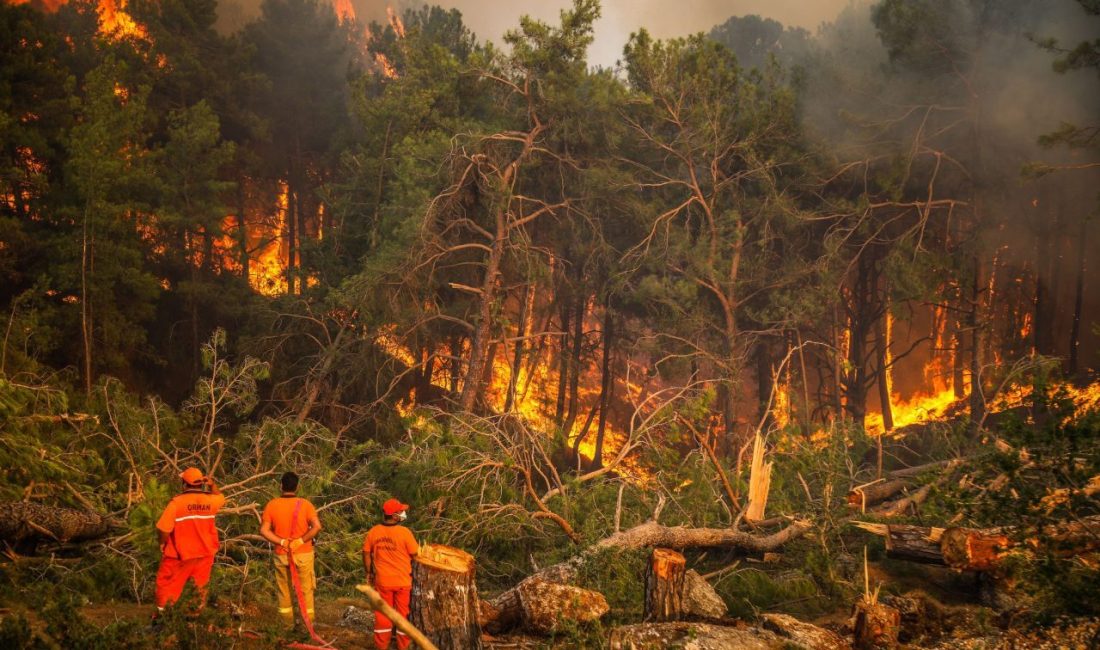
(295, 543)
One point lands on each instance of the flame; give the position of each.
(395, 22)
(388, 71)
(344, 10)
(267, 265)
(115, 22)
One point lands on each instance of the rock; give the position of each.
(548, 606)
(357, 618)
(693, 636)
(700, 599)
(804, 635)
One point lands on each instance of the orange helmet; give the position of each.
(192, 476)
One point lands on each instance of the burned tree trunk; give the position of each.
(24, 524)
(444, 598)
(664, 586)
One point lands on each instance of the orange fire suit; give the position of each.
(192, 543)
(391, 548)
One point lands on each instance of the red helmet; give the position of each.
(393, 506)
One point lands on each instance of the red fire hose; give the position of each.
(297, 583)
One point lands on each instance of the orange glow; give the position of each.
(395, 22)
(388, 71)
(267, 265)
(781, 404)
(115, 22)
(922, 407)
(344, 10)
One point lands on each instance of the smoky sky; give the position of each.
(489, 19)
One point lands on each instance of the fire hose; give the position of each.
(296, 582)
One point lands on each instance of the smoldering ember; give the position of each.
(625, 324)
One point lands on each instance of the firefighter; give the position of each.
(290, 523)
(188, 538)
(388, 551)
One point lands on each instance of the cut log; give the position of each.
(802, 634)
(904, 542)
(700, 599)
(549, 607)
(664, 586)
(973, 550)
(23, 524)
(875, 625)
(444, 597)
(693, 636)
(864, 496)
(908, 502)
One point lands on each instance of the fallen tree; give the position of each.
(506, 610)
(981, 549)
(24, 524)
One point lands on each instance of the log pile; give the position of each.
(444, 597)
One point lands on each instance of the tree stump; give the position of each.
(876, 625)
(444, 598)
(664, 586)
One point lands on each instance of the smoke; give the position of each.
(489, 19)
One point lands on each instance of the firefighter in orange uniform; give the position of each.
(188, 538)
(387, 556)
(290, 523)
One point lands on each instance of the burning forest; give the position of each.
(754, 337)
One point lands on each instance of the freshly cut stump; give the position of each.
(444, 598)
(664, 586)
(876, 626)
(549, 607)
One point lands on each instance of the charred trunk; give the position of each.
(607, 384)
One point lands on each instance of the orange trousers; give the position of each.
(174, 574)
(383, 627)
